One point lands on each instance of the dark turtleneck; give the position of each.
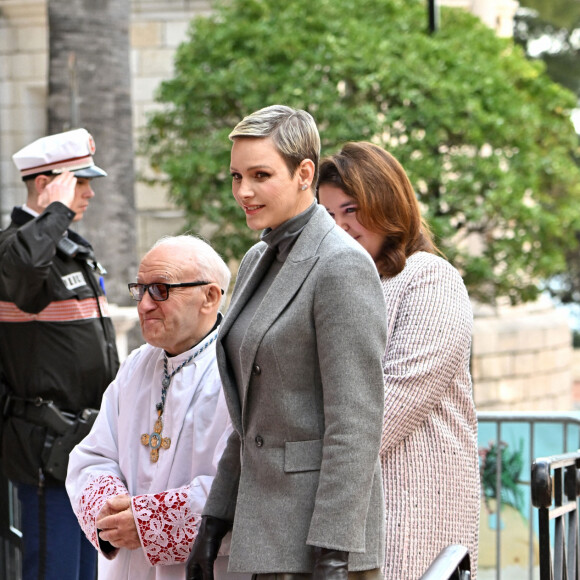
(284, 236)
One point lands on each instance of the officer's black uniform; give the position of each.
(57, 342)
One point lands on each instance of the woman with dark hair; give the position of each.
(429, 441)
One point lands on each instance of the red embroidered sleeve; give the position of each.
(166, 525)
(94, 496)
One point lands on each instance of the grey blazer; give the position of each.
(301, 468)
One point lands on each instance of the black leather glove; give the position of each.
(206, 547)
(330, 564)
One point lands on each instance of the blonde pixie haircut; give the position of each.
(293, 132)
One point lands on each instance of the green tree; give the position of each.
(484, 134)
(550, 30)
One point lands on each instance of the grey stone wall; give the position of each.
(522, 358)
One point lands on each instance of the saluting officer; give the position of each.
(57, 348)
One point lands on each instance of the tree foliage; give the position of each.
(550, 30)
(483, 133)
(561, 14)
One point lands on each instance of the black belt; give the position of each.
(41, 412)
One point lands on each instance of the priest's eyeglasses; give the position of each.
(159, 291)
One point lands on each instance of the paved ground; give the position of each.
(514, 546)
(509, 573)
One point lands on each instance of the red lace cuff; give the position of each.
(167, 527)
(94, 496)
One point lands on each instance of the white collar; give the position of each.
(29, 210)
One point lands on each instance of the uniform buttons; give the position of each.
(259, 441)
(256, 370)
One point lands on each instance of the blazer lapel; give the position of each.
(247, 287)
(280, 293)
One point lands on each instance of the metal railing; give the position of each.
(555, 489)
(565, 429)
(493, 426)
(10, 535)
(452, 563)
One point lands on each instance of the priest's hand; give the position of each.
(206, 547)
(117, 524)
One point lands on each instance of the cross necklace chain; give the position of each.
(155, 440)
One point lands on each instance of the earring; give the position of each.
(304, 187)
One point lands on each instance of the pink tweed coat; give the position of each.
(429, 444)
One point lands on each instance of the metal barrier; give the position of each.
(452, 563)
(493, 423)
(10, 536)
(567, 424)
(555, 490)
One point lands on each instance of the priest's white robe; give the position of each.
(167, 496)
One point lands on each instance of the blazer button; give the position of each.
(259, 441)
(256, 370)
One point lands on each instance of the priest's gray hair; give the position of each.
(293, 132)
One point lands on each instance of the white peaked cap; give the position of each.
(71, 150)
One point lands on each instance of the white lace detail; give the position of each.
(95, 494)
(166, 525)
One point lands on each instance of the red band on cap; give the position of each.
(73, 164)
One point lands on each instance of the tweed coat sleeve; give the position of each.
(429, 337)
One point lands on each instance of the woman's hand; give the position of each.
(330, 564)
(206, 547)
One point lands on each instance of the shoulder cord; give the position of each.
(108, 337)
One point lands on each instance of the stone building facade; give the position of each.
(522, 358)
(497, 14)
(157, 28)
